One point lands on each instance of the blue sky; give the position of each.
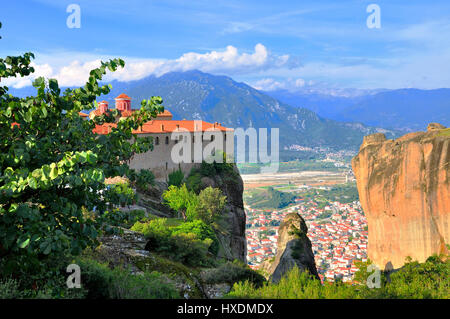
(295, 45)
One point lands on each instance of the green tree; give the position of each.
(211, 203)
(183, 201)
(142, 179)
(121, 194)
(176, 178)
(201, 230)
(52, 165)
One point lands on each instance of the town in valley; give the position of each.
(326, 200)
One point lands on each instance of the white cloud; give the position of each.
(75, 72)
(270, 84)
(44, 70)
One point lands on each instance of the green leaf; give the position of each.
(48, 249)
(33, 183)
(91, 157)
(28, 117)
(44, 111)
(23, 244)
(53, 85)
(39, 82)
(53, 171)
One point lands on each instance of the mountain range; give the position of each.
(402, 109)
(198, 95)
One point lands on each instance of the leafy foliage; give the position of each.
(233, 272)
(414, 280)
(210, 205)
(101, 282)
(201, 214)
(201, 230)
(215, 168)
(225, 170)
(182, 200)
(10, 289)
(121, 194)
(47, 281)
(176, 178)
(142, 179)
(194, 181)
(52, 164)
(123, 218)
(188, 242)
(207, 206)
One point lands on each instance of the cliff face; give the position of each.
(293, 249)
(404, 191)
(128, 249)
(233, 243)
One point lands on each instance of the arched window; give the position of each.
(212, 137)
(167, 140)
(157, 140)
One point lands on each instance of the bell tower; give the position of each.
(123, 102)
(103, 107)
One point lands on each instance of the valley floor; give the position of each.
(336, 223)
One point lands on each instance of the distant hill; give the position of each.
(403, 109)
(198, 95)
(326, 105)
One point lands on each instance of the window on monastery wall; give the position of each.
(167, 140)
(157, 140)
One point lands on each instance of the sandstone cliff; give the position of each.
(404, 190)
(127, 249)
(233, 244)
(293, 249)
(233, 241)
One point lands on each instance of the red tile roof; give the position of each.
(123, 96)
(166, 113)
(127, 113)
(166, 126)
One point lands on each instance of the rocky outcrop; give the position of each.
(404, 189)
(293, 249)
(233, 243)
(127, 250)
